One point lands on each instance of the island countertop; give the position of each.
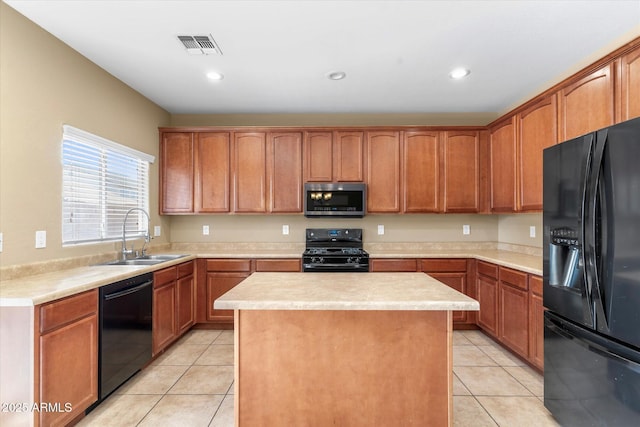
(344, 291)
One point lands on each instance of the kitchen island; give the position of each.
(343, 349)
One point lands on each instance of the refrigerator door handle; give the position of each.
(585, 230)
(598, 236)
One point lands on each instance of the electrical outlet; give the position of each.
(285, 229)
(380, 230)
(156, 231)
(1, 242)
(41, 239)
(205, 230)
(466, 229)
(532, 231)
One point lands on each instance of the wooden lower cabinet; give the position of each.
(66, 365)
(487, 285)
(513, 309)
(453, 273)
(536, 322)
(393, 265)
(186, 293)
(164, 309)
(216, 276)
(173, 304)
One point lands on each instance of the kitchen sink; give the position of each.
(145, 260)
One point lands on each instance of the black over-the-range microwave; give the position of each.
(335, 199)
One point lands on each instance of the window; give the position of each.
(102, 181)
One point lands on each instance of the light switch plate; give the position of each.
(1, 242)
(41, 239)
(205, 230)
(532, 231)
(466, 229)
(156, 231)
(380, 229)
(285, 229)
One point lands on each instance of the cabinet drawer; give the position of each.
(67, 310)
(164, 277)
(395, 265)
(185, 269)
(514, 278)
(228, 265)
(487, 269)
(288, 265)
(535, 282)
(444, 265)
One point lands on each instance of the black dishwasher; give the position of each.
(125, 331)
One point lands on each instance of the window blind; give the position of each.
(102, 181)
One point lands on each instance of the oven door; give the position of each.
(334, 267)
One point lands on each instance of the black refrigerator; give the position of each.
(591, 267)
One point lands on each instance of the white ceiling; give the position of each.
(397, 54)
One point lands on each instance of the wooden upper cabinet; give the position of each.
(421, 172)
(318, 156)
(177, 172)
(461, 169)
(587, 104)
(537, 130)
(285, 154)
(383, 172)
(213, 165)
(250, 172)
(502, 147)
(630, 85)
(348, 155)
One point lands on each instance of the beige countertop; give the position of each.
(51, 283)
(344, 291)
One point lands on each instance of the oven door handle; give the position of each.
(128, 291)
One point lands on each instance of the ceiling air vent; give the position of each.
(200, 45)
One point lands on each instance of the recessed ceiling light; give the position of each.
(459, 73)
(215, 76)
(337, 75)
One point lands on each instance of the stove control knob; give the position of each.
(317, 260)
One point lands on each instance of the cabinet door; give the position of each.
(348, 156)
(587, 104)
(536, 322)
(285, 153)
(488, 299)
(164, 316)
(217, 285)
(186, 307)
(176, 172)
(514, 318)
(68, 336)
(69, 369)
(513, 309)
(537, 130)
(250, 172)
(383, 172)
(421, 172)
(461, 168)
(318, 157)
(457, 281)
(630, 85)
(213, 160)
(502, 155)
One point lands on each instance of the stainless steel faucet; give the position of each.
(147, 236)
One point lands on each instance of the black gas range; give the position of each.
(334, 250)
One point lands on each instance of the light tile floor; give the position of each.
(191, 385)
